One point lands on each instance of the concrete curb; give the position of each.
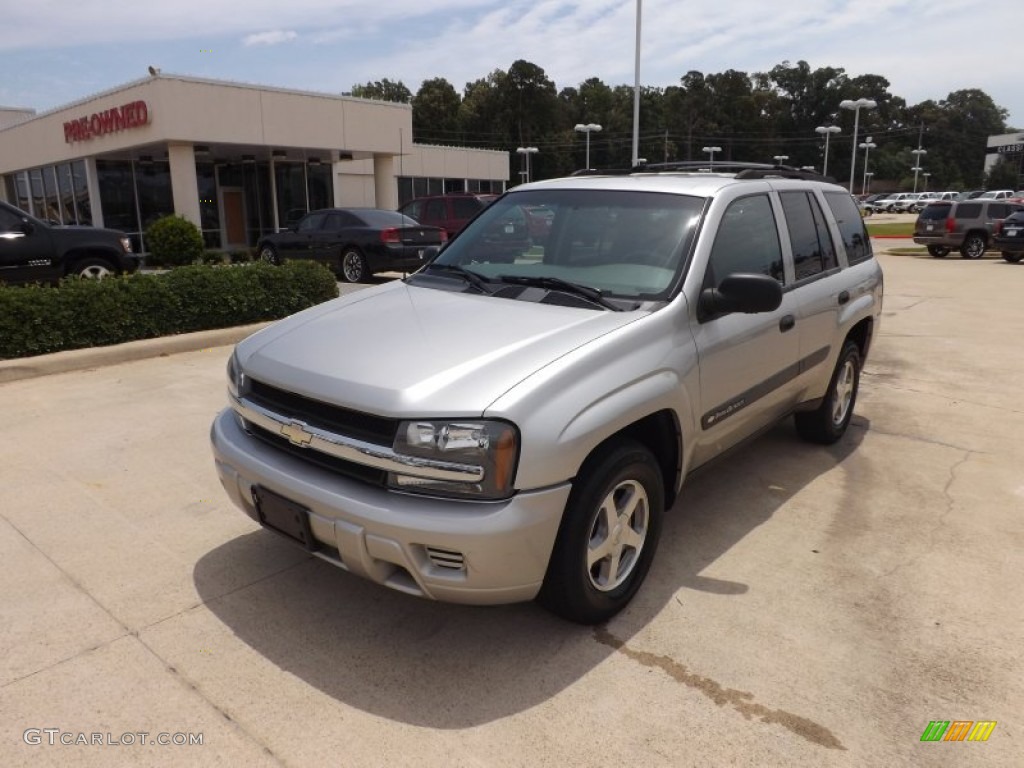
(93, 357)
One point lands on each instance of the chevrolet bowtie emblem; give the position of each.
(297, 434)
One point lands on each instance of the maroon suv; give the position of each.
(451, 212)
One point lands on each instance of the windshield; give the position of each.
(625, 244)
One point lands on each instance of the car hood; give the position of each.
(401, 350)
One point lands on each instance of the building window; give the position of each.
(292, 205)
(80, 187)
(38, 199)
(117, 198)
(153, 182)
(209, 214)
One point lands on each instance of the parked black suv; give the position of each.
(967, 225)
(34, 251)
(1009, 237)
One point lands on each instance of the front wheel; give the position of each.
(92, 269)
(353, 266)
(1012, 257)
(973, 247)
(608, 535)
(938, 251)
(829, 421)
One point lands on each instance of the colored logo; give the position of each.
(958, 730)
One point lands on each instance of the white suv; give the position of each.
(513, 421)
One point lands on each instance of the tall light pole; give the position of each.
(867, 146)
(856, 105)
(926, 175)
(711, 151)
(587, 129)
(527, 151)
(780, 159)
(636, 92)
(867, 182)
(827, 130)
(917, 163)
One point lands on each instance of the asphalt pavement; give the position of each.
(808, 606)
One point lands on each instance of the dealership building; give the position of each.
(238, 160)
(1008, 148)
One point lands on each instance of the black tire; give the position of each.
(1012, 257)
(268, 254)
(579, 587)
(92, 268)
(829, 421)
(352, 266)
(938, 251)
(973, 246)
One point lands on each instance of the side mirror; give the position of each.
(747, 293)
(25, 227)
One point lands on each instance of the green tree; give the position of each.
(383, 90)
(435, 113)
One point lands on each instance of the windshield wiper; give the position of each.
(558, 284)
(471, 277)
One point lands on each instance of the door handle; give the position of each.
(787, 323)
(844, 296)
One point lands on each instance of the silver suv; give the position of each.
(513, 421)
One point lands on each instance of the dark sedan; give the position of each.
(1009, 237)
(355, 242)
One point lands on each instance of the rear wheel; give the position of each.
(353, 266)
(829, 422)
(1012, 257)
(92, 268)
(973, 246)
(938, 251)
(608, 535)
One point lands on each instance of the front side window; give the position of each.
(747, 241)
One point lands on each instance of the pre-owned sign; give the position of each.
(131, 115)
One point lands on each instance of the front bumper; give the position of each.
(394, 539)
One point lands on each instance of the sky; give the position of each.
(58, 51)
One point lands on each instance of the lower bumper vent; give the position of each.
(445, 558)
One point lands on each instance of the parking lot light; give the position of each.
(827, 130)
(917, 163)
(587, 128)
(856, 105)
(711, 151)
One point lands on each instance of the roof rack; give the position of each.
(741, 170)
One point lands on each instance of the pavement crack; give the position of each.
(741, 701)
(940, 520)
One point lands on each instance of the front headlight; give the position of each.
(236, 378)
(126, 243)
(491, 445)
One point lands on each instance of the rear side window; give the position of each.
(465, 207)
(435, 210)
(968, 210)
(851, 226)
(813, 251)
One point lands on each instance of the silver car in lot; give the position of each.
(513, 421)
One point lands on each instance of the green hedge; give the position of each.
(80, 313)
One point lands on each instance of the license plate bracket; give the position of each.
(285, 517)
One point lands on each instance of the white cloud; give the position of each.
(274, 37)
